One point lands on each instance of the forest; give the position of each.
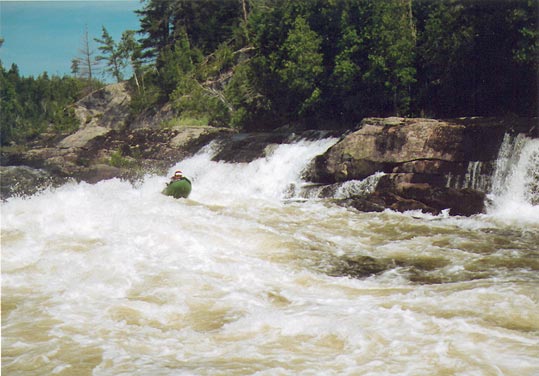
(262, 64)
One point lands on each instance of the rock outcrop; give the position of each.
(426, 162)
(107, 107)
(417, 146)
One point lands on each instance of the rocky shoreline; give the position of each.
(425, 162)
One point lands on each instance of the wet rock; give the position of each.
(405, 194)
(358, 266)
(417, 145)
(246, 147)
(99, 172)
(426, 161)
(370, 204)
(108, 143)
(24, 180)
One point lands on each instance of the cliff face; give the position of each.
(426, 162)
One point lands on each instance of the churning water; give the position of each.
(242, 278)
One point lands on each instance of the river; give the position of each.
(248, 277)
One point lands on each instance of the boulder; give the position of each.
(23, 180)
(246, 147)
(98, 172)
(82, 137)
(403, 194)
(409, 145)
(429, 165)
(109, 143)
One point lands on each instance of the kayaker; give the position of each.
(178, 175)
(179, 186)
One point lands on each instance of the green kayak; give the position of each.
(179, 188)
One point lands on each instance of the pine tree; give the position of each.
(130, 50)
(112, 54)
(156, 27)
(302, 66)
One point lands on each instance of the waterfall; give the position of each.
(273, 178)
(515, 183)
(477, 176)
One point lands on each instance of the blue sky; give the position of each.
(46, 35)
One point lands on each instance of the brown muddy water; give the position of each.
(244, 279)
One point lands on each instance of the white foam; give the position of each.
(263, 179)
(515, 191)
(121, 279)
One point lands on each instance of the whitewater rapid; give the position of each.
(247, 278)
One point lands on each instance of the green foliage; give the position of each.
(258, 64)
(146, 90)
(248, 106)
(113, 55)
(117, 159)
(185, 121)
(192, 100)
(477, 57)
(206, 23)
(175, 63)
(389, 33)
(31, 105)
(216, 63)
(302, 65)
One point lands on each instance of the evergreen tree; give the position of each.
(470, 61)
(131, 50)
(175, 63)
(156, 25)
(75, 67)
(33, 105)
(112, 54)
(346, 59)
(205, 23)
(302, 67)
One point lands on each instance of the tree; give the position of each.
(31, 105)
(477, 58)
(75, 67)
(86, 65)
(342, 60)
(131, 50)
(390, 46)
(175, 63)
(206, 23)
(112, 54)
(302, 66)
(155, 27)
